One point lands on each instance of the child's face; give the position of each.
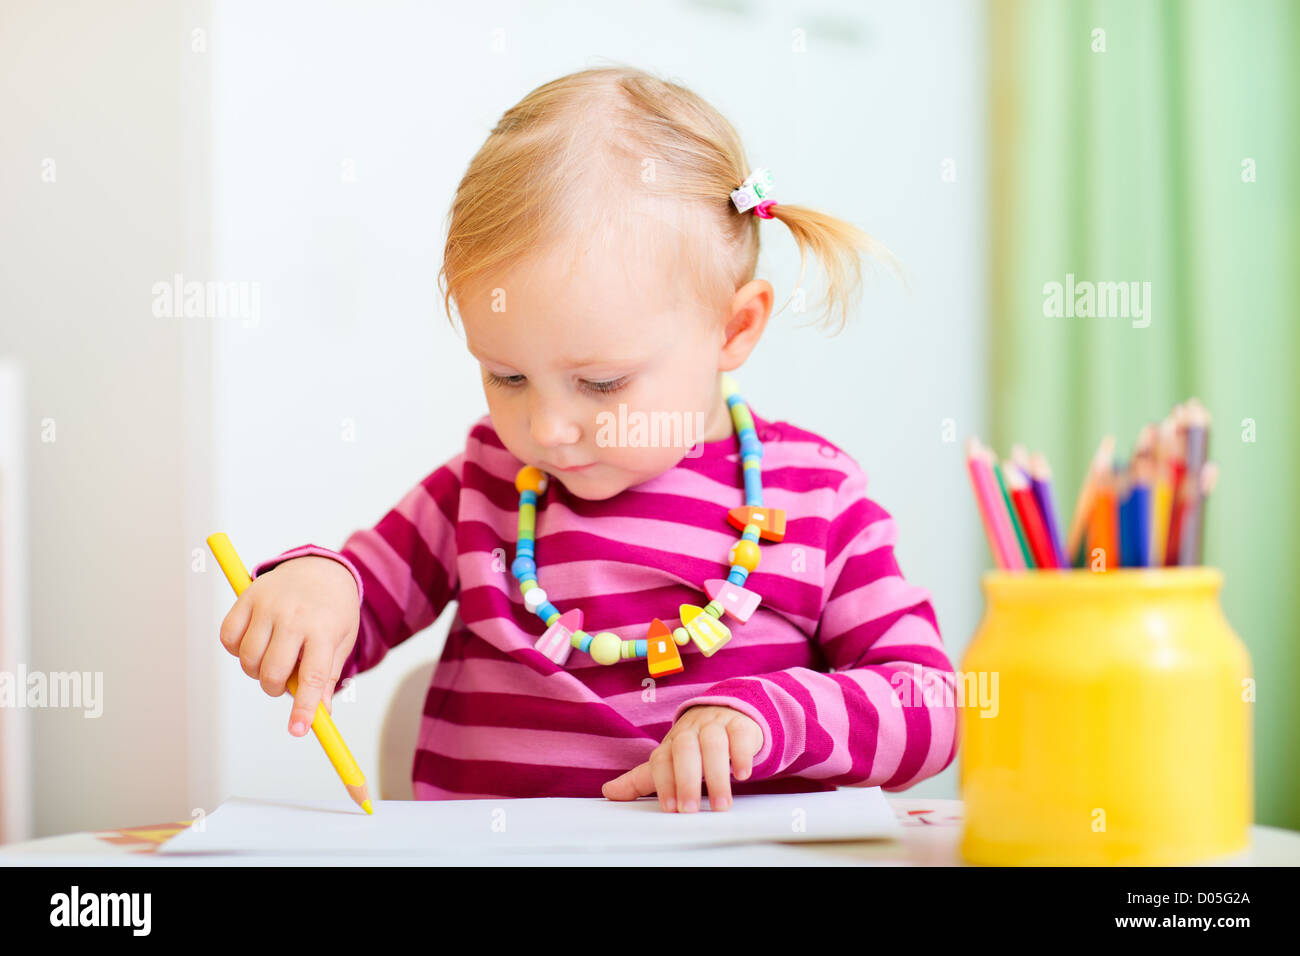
(575, 339)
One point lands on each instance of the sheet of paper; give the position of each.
(256, 826)
(748, 854)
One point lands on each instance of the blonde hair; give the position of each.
(596, 154)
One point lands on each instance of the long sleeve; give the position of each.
(884, 715)
(405, 566)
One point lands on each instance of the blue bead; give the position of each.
(749, 536)
(524, 567)
(747, 432)
(641, 648)
(753, 487)
(525, 548)
(751, 448)
(733, 400)
(546, 610)
(737, 575)
(528, 497)
(585, 642)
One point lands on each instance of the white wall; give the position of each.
(352, 328)
(112, 95)
(226, 165)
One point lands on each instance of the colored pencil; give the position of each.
(1177, 466)
(1040, 479)
(1162, 495)
(1102, 459)
(998, 502)
(1103, 534)
(1139, 531)
(1025, 553)
(996, 507)
(1124, 516)
(1148, 511)
(1030, 517)
(1209, 478)
(1189, 540)
(984, 502)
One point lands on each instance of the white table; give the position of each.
(931, 834)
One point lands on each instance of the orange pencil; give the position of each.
(1103, 459)
(1103, 533)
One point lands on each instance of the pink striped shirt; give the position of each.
(834, 666)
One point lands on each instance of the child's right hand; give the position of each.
(308, 606)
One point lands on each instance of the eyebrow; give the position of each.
(570, 363)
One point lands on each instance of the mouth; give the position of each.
(574, 468)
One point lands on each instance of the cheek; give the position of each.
(507, 420)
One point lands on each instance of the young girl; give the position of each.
(601, 253)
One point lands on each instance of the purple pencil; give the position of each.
(1040, 479)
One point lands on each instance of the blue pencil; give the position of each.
(1139, 527)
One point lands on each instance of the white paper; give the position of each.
(255, 826)
(749, 854)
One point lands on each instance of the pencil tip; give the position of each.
(367, 807)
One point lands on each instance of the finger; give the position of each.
(253, 647)
(637, 782)
(313, 674)
(687, 770)
(746, 740)
(281, 658)
(336, 670)
(236, 623)
(661, 770)
(715, 750)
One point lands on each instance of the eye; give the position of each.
(604, 388)
(507, 381)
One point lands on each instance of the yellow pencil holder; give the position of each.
(1115, 723)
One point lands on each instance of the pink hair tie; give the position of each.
(762, 210)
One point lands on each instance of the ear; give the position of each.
(751, 307)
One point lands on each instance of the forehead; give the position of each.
(576, 305)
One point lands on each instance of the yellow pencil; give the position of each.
(323, 724)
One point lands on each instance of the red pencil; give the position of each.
(1031, 519)
(1177, 468)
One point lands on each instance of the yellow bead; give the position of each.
(606, 648)
(530, 479)
(745, 554)
(707, 631)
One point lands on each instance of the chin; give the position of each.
(582, 487)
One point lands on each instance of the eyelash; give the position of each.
(599, 388)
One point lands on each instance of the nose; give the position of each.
(550, 423)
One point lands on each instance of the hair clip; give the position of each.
(753, 194)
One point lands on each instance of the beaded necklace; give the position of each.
(702, 625)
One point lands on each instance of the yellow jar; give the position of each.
(1118, 730)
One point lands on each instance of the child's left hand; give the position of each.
(708, 742)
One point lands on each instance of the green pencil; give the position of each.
(1015, 518)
